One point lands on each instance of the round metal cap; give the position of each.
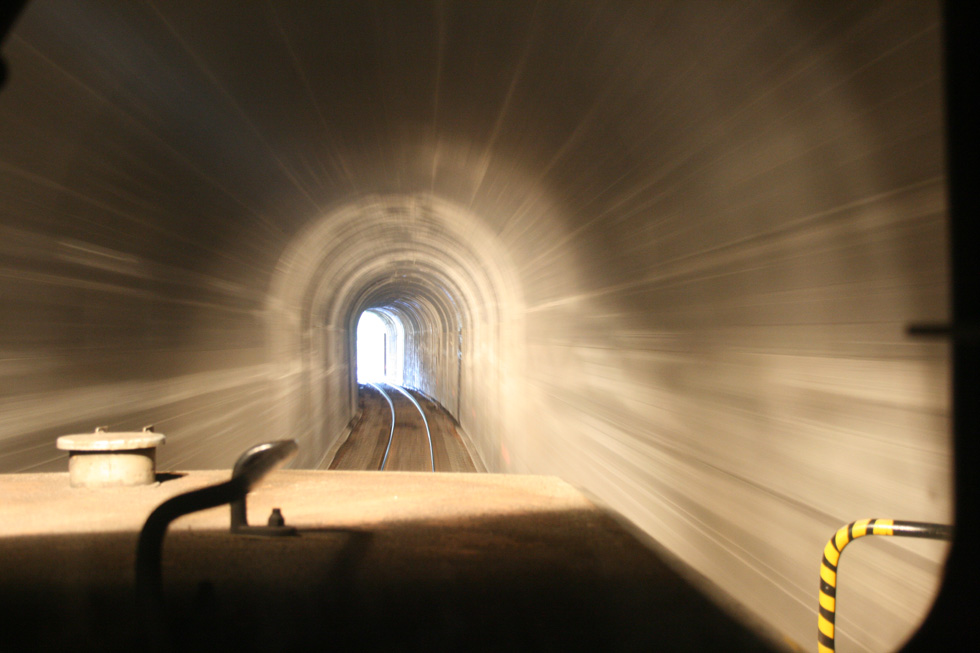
(105, 441)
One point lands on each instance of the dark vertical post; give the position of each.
(954, 611)
(7, 17)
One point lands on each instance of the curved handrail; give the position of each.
(255, 463)
(826, 618)
(251, 468)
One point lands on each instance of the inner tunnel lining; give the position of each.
(434, 267)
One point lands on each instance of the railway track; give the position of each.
(394, 421)
(402, 430)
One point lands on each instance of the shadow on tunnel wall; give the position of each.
(667, 251)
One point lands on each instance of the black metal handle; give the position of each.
(251, 467)
(258, 456)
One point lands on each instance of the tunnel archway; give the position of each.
(423, 263)
(380, 347)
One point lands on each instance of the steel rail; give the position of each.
(391, 434)
(428, 433)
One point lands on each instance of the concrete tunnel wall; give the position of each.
(670, 248)
(428, 264)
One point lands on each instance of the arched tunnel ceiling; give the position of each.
(397, 250)
(682, 240)
(410, 295)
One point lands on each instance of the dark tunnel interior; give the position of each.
(667, 251)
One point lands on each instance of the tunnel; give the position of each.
(666, 251)
(446, 288)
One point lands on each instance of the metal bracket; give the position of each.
(239, 515)
(963, 332)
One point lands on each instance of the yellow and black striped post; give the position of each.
(831, 558)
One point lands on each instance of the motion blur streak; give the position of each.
(664, 250)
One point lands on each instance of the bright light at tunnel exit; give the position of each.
(372, 347)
